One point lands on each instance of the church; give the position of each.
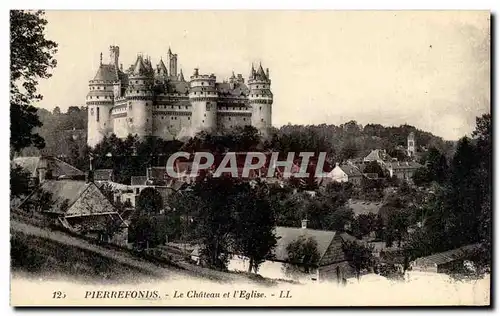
(158, 101)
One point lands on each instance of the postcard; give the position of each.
(250, 158)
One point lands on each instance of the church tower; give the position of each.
(260, 99)
(411, 145)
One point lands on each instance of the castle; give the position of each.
(147, 101)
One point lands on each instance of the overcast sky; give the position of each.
(427, 69)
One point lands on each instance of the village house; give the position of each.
(344, 173)
(332, 265)
(46, 168)
(80, 207)
(448, 261)
(378, 155)
(403, 170)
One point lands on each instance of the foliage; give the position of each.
(31, 58)
(143, 231)
(149, 201)
(302, 254)
(359, 256)
(459, 211)
(364, 224)
(19, 181)
(255, 217)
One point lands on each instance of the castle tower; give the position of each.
(203, 97)
(140, 98)
(99, 101)
(411, 145)
(114, 55)
(260, 99)
(172, 63)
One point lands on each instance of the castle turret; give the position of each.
(100, 100)
(260, 100)
(203, 97)
(172, 63)
(140, 98)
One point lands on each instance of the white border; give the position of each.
(491, 5)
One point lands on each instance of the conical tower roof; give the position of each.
(139, 67)
(261, 73)
(163, 68)
(181, 76)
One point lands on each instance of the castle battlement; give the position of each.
(157, 101)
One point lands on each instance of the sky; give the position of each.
(429, 69)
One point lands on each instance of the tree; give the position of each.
(31, 58)
(149, 201)
(56, 111)
(214, 223)
(374, 167)
(359, 256)
(303, 254)
(254, 232)
(364, 224)
(19, 181)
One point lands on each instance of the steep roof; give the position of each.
(58, 167)
(106, 73)
(261, 74)
(162, 68)
(139, 68)
(351, 171)
(376, 155)
(329, 243)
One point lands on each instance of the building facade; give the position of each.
(147, 101)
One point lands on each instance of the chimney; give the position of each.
(304, 223)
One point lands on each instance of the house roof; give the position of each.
(138, 180)
(403, 165)
(328, 253)
(376, 155)
(364, 207)
(58, 167)
(103, 174)
(448, 256)
(351, 171)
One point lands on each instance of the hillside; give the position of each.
(65, 136)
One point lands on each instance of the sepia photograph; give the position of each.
(250, 158)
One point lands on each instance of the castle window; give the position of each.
(172, 118)
(98, 88)
(92, 112)
(147, 120)
(205, 115)
(179, 107)
(103, 88)
(202, 83)
(186, 107)
(229, 118)
(203, 121)
(260, 108)
(189, 118)
(97, 114)
(244, 119)
(262, 120)
(136, 81)
(97, 97)
(137, 91)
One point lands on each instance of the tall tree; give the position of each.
(149, 201)
(359, 256)
(31, 58)
(254, 232)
